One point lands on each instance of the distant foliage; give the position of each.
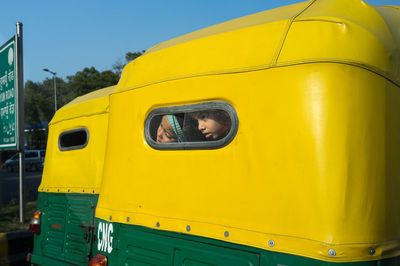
(39, 96)
(39, 109)
(39, 100)
(88, 80)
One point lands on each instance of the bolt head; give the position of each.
(332, 252)
(371, 251)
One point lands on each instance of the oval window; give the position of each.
(208, 125)
(73, 139)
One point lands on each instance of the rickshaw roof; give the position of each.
(92, 103)
(342, 31)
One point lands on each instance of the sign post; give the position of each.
(12, 105)
(20, 124)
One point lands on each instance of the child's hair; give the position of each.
(220, 116)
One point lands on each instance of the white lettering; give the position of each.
(4, 112)
(110, 238)
(104, 237)
(10, 93)
(12, 109)
(99, 242)
(3, 80)
(10, 76)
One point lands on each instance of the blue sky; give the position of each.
(66, 36)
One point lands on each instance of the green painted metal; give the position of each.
(66, 229)
(136, 245)
(71, 236)
(8, 110)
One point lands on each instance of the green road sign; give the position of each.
(8, 100)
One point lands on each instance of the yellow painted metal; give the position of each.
(351, 32)
(78, 171)
(314, 165)
(391, 15)
(343, 31)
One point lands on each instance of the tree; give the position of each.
(39, 109)
(88, 80)
(132, 56)
(39, 100)
(39, 96)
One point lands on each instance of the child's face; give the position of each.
(165, 133)
(210, 127)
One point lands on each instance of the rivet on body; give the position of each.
(371, 251)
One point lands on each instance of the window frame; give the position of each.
(194, 145)
(76, 147)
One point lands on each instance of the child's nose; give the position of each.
(159, 136)
(201, 126)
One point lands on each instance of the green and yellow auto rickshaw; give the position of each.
(272, 139)
(68, 194)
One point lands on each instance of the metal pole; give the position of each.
(55, 87)
(55, 93)
(20, 123)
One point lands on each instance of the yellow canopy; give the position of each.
(343, 31)
(78, 170)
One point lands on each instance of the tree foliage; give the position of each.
(39, 109)
(39, 96)
(88, 80)
(39, 100)
(132, 56)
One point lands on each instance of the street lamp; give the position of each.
(55, 87)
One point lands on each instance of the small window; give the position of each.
(73, 139)
(208, 125)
